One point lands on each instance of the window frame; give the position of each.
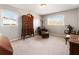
(2, 18)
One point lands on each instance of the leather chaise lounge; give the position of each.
(5, 46)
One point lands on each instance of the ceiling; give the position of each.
(50, 8)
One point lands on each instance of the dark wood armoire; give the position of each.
(27, 26)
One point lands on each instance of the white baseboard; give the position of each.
(60, 35)
(15, 39)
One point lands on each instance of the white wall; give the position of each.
(14, 32)
(70, 17)
(78, 18)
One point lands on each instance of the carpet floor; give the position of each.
(39, 46)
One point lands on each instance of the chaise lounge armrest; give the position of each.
(5, 46)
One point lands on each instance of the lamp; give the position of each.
(68, 36)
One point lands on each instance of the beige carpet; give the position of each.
(38, 46)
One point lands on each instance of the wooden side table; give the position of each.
(74, 45)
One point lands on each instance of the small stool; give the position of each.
(45, 35)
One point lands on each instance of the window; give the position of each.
(55, 20)
(9, 17)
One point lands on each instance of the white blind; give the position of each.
(8, 17)
(55, 20)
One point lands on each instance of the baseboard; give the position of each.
(59, 35)
(15, 39)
